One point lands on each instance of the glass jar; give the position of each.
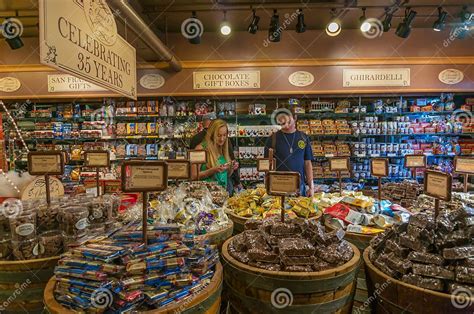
(5, 249)
(74, 220)
(27, 249)
(23, 226)
(52, 242)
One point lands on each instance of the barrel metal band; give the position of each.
(295, 286)
(327, 307)
(34, 276)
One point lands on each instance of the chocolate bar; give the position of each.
(378, 242)
(460, 252)
(295, 247)
(267, 266)
(423, 220)
(455, 238)
(433, 271)
(398, 264)
(426, 258)
(419, 233)
(422, 282)
(284, 229)
(380, 263)
(397, 249)
(253, 224)
(257, 255)
(465, 274)
(413, 243)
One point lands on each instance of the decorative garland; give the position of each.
(14, 125)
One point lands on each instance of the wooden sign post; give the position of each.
(414, 162)
(97, 160)
(438, 185)
(45, 164)
(379, 168)
(144, 177)
(179, 169)
(197, 157)
(282, 183)
(339, 164)
(465, 166)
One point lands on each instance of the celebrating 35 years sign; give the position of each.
(80, 37)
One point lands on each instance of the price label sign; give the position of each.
(263, 165)
(197, 156)
(179, 169)
(282, 183)
(464, 165)
(339, 164)
(438, 185)
(144, 176)
(415, 161)
(46, 163)
(97, 159)
(379, 167)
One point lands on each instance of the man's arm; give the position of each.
(308, 166)
(308, 171)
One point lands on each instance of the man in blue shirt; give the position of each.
(292, 150)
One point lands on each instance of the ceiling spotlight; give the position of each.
(334, 26)
(364, 24)
(253, 27)
(387, 21)
(225, 26)
(440, 23)
(12, 29)
(274, 32)
(404, 28)
(300, 26)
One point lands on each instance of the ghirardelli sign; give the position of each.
(80, 37)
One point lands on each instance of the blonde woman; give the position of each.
(219, 165)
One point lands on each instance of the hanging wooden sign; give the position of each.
(46, 163)
(282, 183)
(379, 167)
(464, 165)
(438, 185)
(179, 169)
(97, 159)
(415, 161)
(144, 176)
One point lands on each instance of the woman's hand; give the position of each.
(220, 168)
(235, 165)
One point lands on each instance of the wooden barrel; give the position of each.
(395, 296)
(22, 284)
(362, 242)
(207, 301)
(255, 290)
(218, 237)
(239, 222)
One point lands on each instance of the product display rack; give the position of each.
(243, 120)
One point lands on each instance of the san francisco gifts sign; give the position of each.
(226, 79)
(80, 37)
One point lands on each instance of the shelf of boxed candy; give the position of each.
(435, 254)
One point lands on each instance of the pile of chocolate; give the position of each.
(403, 193)
(428, 253)
(297, 245)
(458, 200)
